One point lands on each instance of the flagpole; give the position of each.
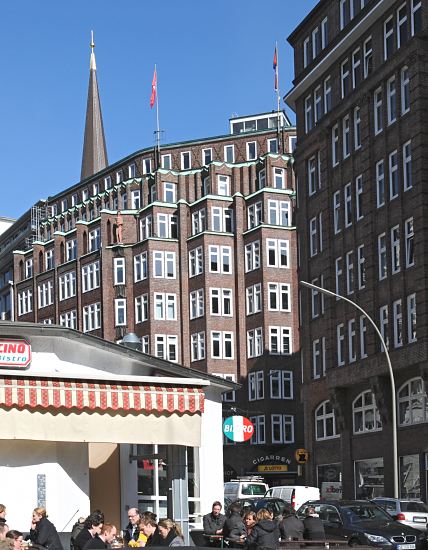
(278, 98)
(157, 116)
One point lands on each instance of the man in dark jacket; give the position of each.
(92, 528)
(291, 527)
(214, 521)
(314, 527)
(234, 527)
(132, 530)
(104, 539)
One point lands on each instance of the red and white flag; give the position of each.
(154, 88)
(275, 68)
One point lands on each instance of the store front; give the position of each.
(89, 424)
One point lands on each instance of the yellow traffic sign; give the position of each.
(302, 456)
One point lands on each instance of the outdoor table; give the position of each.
(215, 538)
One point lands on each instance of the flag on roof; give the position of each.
(154, 88)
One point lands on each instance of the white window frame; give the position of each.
(196, 261)
(252, 256)
(164, 259)
(323, 419)
(409, 242)
(119, 273)
(221, 253)
(281, 295)
(165, 306)
(197, 303)
(382, 259)
(186, 160)
(140, 267)
(141, 308)
(280, 340)
(411, 318)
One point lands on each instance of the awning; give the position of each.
(64, 394)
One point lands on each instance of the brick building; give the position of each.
(360, 95)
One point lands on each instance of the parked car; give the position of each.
(409, 512)
(360, 522)
(244, 487)
(295, 495)
(274, 505)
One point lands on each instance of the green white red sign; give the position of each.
(238, 428)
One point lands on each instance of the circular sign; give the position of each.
(238, 428)
(302, 456)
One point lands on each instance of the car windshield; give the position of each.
(414, 507)
(253, 489)
(360, 512)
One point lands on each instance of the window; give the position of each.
(315, 301)
(132, 171)
(336, 212)
(135, 199)
(207, 156)
(318, 104)
(167, 226)
(197, 304)
(85, 195)
(119, 271)
(309, 114)
(278, 213)
(272, 145)
(368, 56)
(279, 297)
(229, 153)
(357, 128)
(324, 32)
(395, 249)
(74, 199)
(338, 267)
(343, 13)
(282, 428)
(277, 253)
(220, 259)
(412, 403)
(397, 314)
(416, 16)
(313, 236)
(186, 160)
(381, 251)
(120, 312)
(348, 204)
(140, 267)
(352, 343)
(345, 78)
(197, 346)
(280, 342)
(361, 267)
(94, 240)
(325, 422)
(119, 176)
(90, 276)
(199, 221)
(359, 197)
(68, 319)
(401, 25)
(327, 95)
(256, 385)
(318, 358)
(363, 337)
(28, 268)
(278, 178)
(221, 345)
(145, 344)
(196, 262)
(380, 183)
(383, 325)
(365, 414)
(71, 250)
(356, 68)
(252, 256)
(378, 111)
(411, 318)
(223, 185)
(141, 308)
(254, 215)
(259, 436)
(153, 193)
(67, 285)
(49, 259)
(164, 264)
(221, 301)
(409, 242)
(393, 175)
(166, 347)
(91, 317)
(166, 162)
(221, 219)
(25, 302)
(335, 145)
(146, 227)
(340, 344)
(307, 53)
(254, 343)
(350, 272)
(165, 306)
(407, 166)
(388, 38)
(316, 42)
(281, 384)
(147, 165)
(262, 179)
(391, 104)
(251, 150)
(254, 298)
(170, 192)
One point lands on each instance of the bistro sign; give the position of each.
(14, 354)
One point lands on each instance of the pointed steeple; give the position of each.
(94, 156)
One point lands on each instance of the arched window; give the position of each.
(365, 413)
(412, 403)
(325, 422)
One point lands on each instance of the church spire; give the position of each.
(94, 156)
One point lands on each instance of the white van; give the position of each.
(244, 487)
(296, 495)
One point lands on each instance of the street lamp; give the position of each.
(391, 375)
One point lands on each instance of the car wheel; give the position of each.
(353, 542)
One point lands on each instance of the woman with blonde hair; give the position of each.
(43, 532)
(170, 532)
(265, 534)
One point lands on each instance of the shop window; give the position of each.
(369, 478)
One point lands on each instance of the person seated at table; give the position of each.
(250, 519)
(234, 527)
(91, 528)
(43, 532)
(265, 534)
(291, 527)
(150, 529)
(17, 538)
(170, 532)
(313, 525)
(104, 539)
(214, 521)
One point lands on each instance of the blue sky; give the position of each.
(214, 60)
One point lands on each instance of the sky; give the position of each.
(214, 60)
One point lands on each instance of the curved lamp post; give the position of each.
(391, 375)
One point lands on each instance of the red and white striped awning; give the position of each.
(31, 393)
